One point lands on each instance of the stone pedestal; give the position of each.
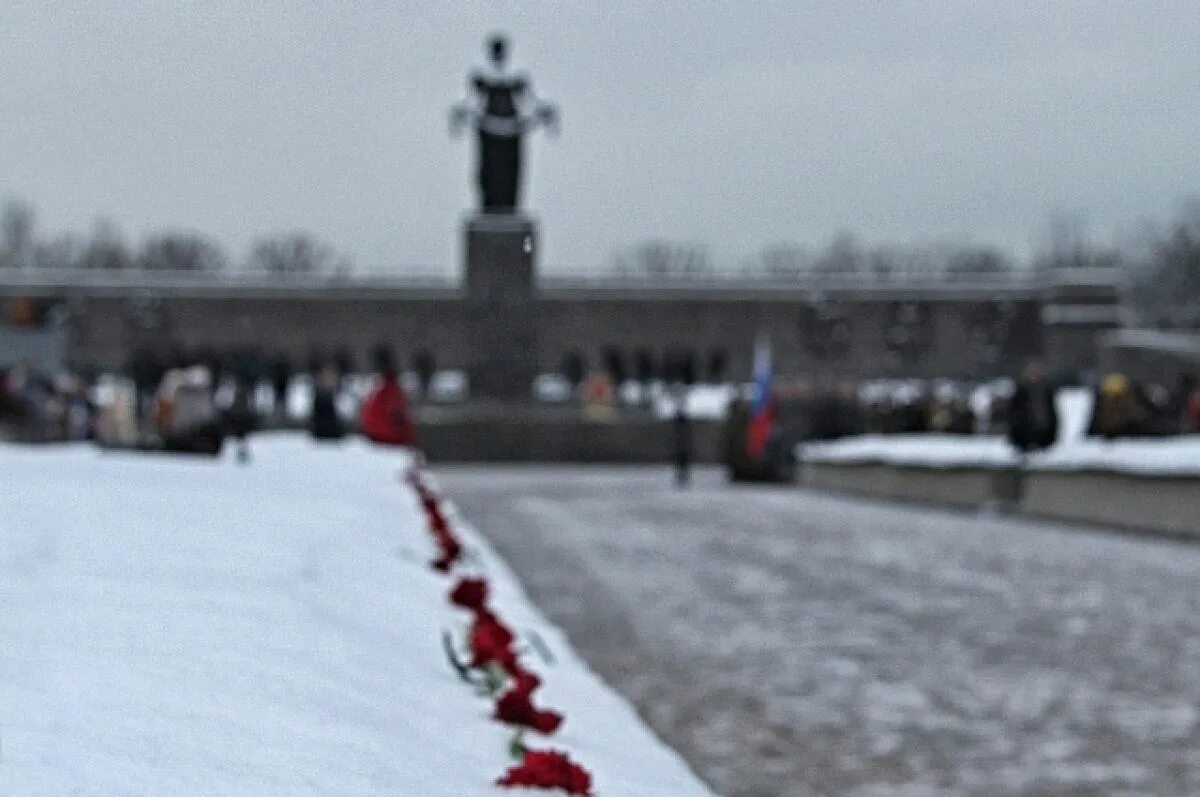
(501, 257)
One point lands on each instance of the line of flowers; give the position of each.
(491, 663)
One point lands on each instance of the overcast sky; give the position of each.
(734, 124)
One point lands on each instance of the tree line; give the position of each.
(1161, 265)
(1066, 245)
(23, 245)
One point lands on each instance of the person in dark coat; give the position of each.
(1033, 416)
(281, 378)
(325, 422)
(682, 454)
(240, 419)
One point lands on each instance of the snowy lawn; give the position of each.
(172, 626)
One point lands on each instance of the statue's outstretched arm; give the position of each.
(542, 113)
(461, 115)
(466, 111)
(547, 116)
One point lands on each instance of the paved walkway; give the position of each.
(791, 643)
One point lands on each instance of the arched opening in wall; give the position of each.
(383, 358)
(343, 360)
(280, 369)
(614, 364)
(574, 367)
(670, 367)
(246, 366)
(687, 366)
(643, 366)
(178, 355)
(718, 365)
(424, 365)
(316, 360)
(679, 366)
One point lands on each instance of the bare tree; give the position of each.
(901, 261)
(181, 251)
(1167, 286)
(293, 253)
(785, 260)
(106, 249)
(1069, 243)
(61, 251)
(17, 238)
(977, 260)
(843, 256)
(663, 259)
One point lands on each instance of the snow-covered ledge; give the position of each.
(1151, 484)
(1166, 456)
(185, 626)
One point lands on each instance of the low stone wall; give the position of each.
(641, 441)
(1162, 504)
(958, 487)
(1168, 504)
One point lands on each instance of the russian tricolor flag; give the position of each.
(762, 412)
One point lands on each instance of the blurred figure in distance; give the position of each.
(1033, 416)
(385, 416)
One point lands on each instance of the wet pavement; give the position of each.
(796, 643)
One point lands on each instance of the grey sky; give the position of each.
(734, 124)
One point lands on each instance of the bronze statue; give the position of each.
(502, 107)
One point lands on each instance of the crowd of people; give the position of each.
(1027, 411)
(193, 403)
(39, 407)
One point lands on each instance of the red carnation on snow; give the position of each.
(524, 682)
(427, 496)
(491, 642)
(470, 593)
(515, 708)
(439, 526)
(449, 548)
(450, 551)
(437, 518)
(548, 769)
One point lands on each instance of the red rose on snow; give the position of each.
(514, 708)
(470, 593)
(491, 641)
(548, 769)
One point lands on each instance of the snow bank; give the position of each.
(188, 627)
(1167, 456)
(1162, 456)
(928, 450)
(1174, 456)
(1074, 405)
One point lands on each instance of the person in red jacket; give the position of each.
(384, 417)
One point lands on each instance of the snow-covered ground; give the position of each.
(173, 626)
(1073, 451)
